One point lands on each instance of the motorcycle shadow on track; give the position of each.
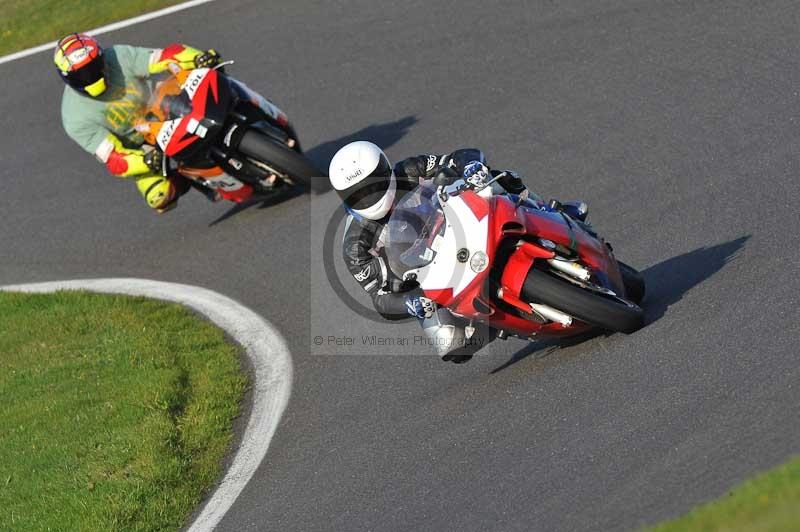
(260, 202)
(384, 135)
(666, 282)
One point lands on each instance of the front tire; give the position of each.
(262, 148)
(633, 281)
(584, 304)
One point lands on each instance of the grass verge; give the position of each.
(27, 23)
(116, 411)
(766, 503)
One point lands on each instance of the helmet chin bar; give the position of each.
(97, 88)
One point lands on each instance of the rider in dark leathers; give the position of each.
(363, 243)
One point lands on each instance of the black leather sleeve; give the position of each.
(451, 167)
(370, 271)
(421, 166)
(428, 166)
(461, 158)
(392, 305)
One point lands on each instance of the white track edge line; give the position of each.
(107, 28)
(264, 346)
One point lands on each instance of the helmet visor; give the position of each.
(88, 74)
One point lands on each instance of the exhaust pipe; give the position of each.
(552, 314)
(572, 269)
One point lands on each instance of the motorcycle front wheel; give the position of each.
(633, 281)
(298, 169)
(591, 306)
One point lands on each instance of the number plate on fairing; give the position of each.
(167, 130)
(224, 182)
(194, 80)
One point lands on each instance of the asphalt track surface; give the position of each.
(675, 120)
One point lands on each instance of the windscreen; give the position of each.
(176, 106)
(412, 229)
(169, 101)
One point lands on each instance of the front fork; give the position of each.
(516, 271)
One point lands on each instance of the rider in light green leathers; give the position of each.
(106, 91)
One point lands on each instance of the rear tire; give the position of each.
(300, 170)
(581, 303)
(633, 281)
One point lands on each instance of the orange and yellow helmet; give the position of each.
(79, 59)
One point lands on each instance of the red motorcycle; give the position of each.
(501, 261)
(217, 132)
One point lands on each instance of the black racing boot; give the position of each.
(456, 358)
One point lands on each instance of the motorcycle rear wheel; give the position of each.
(584, 304)
(280, 156)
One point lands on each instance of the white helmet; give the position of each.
(363, 177)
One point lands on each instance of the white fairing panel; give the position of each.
(224, 182)
(463, 230)
(194, 80)
(166, 132)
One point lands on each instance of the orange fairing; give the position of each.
(154, 115)
(205, 173)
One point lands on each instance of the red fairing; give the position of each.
(440, 296)
(508, 221)
(478, 205)
(239, 195)
(181, 138)
(592, 251)
(518, 265)
(116, 163)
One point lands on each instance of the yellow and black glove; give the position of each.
(208, 59)
(154, 159)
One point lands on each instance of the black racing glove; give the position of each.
(512, 182)
(445, 176)
(208, 59)
(154, 159)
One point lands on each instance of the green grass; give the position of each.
(766, 503)
(115, 412)
(26, 23)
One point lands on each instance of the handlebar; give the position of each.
(457, 187)
(224, 64)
